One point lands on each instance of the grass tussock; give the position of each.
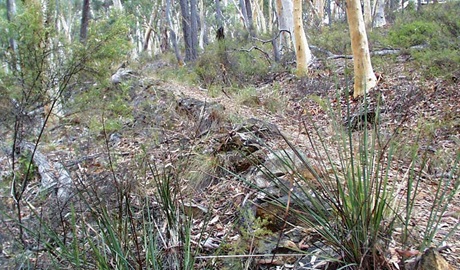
(353, 199)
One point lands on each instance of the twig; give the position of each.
(267, 56)
(274, 38)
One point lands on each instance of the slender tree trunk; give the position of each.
(164, 45)
(10, 13)
(258, 17)
(118, 5)
(244, 14)
(276, 50)
(84, 21)
(219, 16)
(148, 34)
(303, 53)
(172, 34)
(364, 75)
(379, 17)
(250, 17)
(367, 14)
(319, 8)
(328, 12)
(194, 29)
(204, 27)
(270, 16)
(186, 28)
(285, 20)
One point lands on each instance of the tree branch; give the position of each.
(330, 55)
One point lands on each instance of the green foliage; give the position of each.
(437, 27)
(42, 70)
(438, 63)
(335, 39)
(184, 74)
(30, 62)
(110, 107)
(414, 33)
(228, 63)
(27, 166)
(45, 66)
(107, 44)
(209, 70)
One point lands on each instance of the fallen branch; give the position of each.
(330, 55)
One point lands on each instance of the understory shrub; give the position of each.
(335, 39)
(415, 33)
(436, 27)
(229, 63)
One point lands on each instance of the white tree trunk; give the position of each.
(286, 22)
(379, 17)
(258, 17)
(367, 14)
(204, 27)
(118, 5)
(270, 16)
(303, 53)
(319, 9)
(364, 75)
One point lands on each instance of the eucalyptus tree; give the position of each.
(194, 28)
(284, 11)
(379, 14)
(364, 77)
(85, 14)
(367, 12)
(145, 21)
(303, 53)
(259, 17)
(219, 15)
(46, 59)
(318, 9)
(172, 33)
(203, 26)
(190, 28)
(10, 13)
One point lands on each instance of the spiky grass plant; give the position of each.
(351, 197)
(177, 239)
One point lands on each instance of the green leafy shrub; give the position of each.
(335, 39)
(438, 22)
(437, 27)
(209, 70)
(229, 63)
(438, 63)
(414, 33)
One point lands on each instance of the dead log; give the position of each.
(330, 55)
(53, 174)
